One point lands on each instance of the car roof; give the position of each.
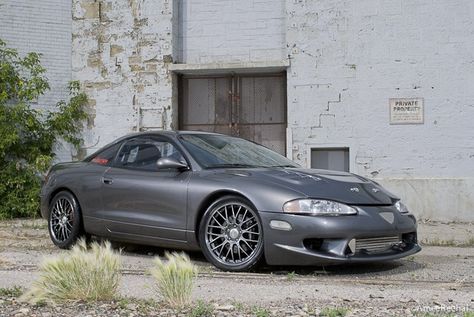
(168, 132)
(150, 132)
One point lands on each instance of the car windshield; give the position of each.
(220, 151)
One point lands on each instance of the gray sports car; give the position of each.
(235, 200)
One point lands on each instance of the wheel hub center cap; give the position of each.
(63, 220)
(234, 233)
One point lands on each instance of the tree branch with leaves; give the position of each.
(28, 136)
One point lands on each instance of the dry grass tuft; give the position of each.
(82, 274)
(175, 279)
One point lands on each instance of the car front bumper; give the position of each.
(325, 240)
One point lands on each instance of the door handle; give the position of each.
(107, 181)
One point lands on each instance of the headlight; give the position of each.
(401, 207)
(318, 207)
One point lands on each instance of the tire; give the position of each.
(231, 234)
(65, 220)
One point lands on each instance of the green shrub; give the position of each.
(28, 136)
(175, 278)
(82, 274)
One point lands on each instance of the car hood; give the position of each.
(323, 184)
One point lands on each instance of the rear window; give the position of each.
(106, 156)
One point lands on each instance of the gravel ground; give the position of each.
(437, 281)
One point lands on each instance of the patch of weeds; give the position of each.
(470, 243)
(206, 269)
(175, 278)
(290, 276)
(36, 224)
(123, 302)
(202, 309)
(239, 306)
(260, 311)
(14, 291)
(82, 274)
(311, 311)
(411, 258)
(143, 306)
(40, 303)
(334, 312)
(440, 243)
(3, 261)
(449, 243)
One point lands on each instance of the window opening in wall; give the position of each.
(330, 159)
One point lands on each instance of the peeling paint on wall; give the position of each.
(121, 55)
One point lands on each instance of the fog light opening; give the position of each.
(280, 225)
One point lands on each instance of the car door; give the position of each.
(140, 201)
(89, 193)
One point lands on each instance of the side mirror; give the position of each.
(170, 163)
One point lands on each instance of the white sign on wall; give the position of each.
(406, 110)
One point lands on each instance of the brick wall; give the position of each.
(231, 31)
(120, 52)
(43, 27)
(349, 57)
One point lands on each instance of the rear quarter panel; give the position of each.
(82, 179)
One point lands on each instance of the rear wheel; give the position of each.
(64, 221)
(231, 234)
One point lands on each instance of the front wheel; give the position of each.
(231, 234)
(64, 221)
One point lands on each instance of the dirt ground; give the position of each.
(439, 281)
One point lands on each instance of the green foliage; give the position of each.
(238, 306)
(290, 276)
(14, 291)
(202, 309)
(27, 135)
(82, 274)
(334, 312)
(260, 311)
(175, 278)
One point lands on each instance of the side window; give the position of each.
(107, 156)
(143, 154)
(168, 150)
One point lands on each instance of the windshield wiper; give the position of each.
(234, 165)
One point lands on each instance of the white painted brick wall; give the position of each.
(413, 49)
(43, 27)
(231, 31)
(368, 52)
(118, 55)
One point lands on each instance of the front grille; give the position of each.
(376, 245)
